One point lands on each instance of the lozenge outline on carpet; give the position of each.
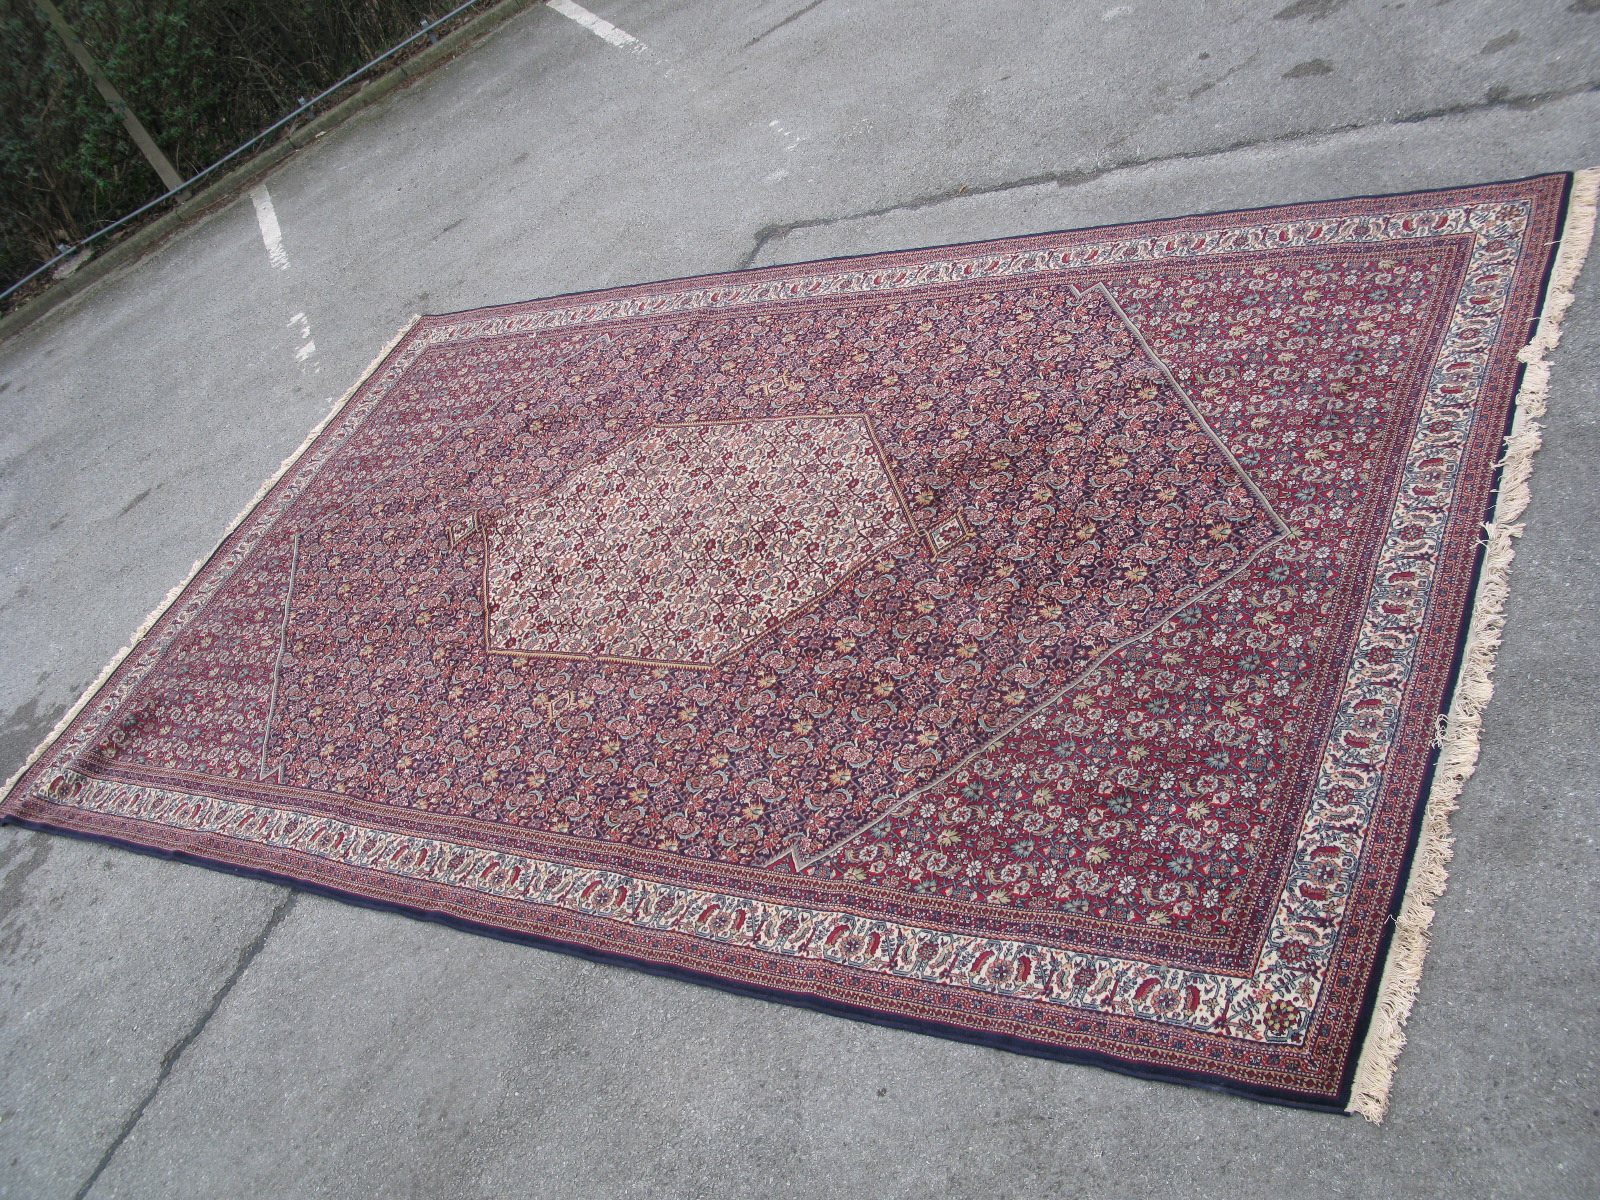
(1045, 643)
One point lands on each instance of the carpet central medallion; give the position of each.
(692, 541)
(1040, 642)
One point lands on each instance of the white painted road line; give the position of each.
(271, 235)
(310, 347)
(596, 25)
(602, 28)
(789, 135)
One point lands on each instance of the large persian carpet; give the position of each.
(1041, 643)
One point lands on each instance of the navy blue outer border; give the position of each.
(821, 1004)
(815, 1003)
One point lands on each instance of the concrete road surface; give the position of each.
(166, 1031)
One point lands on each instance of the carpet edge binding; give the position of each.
(1463, 724)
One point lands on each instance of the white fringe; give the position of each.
(160, 609)
(1458, 741)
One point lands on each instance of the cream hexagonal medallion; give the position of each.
(692, 541)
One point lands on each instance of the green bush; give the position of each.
(203, 76)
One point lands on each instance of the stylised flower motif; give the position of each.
(1166, 1001)
(1280, 1016)
(680, 824)
(1085, 976)
(1293, 952)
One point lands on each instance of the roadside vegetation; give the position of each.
(202, 75)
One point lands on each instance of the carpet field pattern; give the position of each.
(1038, 642)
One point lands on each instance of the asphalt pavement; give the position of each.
(168, 1031)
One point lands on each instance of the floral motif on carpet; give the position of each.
(1037, 642)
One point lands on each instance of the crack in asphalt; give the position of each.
(794, 16)
(1497, 98)
(170, 1059)
(1224, 77)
